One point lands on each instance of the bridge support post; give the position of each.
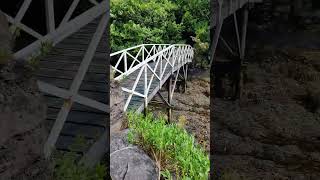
(185, 77)
(243, 48)
(216, 35)
(170, 90)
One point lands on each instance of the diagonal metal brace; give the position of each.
(164, 100)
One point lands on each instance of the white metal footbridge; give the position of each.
(73, 75)
(142, 71)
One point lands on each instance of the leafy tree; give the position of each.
(135, 22)
(143, 21)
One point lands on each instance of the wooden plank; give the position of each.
(55, 102)
(87, 131)
(80, 117)
(86, 86)
(65, 142)
(71, 66)
(90, 77)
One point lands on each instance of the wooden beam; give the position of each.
(62, 32)
(227, 46)
(237, 31)
(215, 39)
(50, 15)
(22, 11)
(64, 111)
(244, 32)
(69, 12)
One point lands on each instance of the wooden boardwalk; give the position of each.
(59, 68)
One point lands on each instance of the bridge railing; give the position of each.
(152, 62)
(69, 24)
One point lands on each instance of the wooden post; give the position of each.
(169, 86)
(185, 78)
(244, 32)
(216, 35)
(243, 48)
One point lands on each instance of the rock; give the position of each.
(117, 102)
(129, 162)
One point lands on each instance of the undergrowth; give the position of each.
(34, 60)
(67, 166)
(173, 149)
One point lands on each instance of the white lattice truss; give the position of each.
(167, 60)
(56, 34)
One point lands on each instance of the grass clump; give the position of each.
(67, 166)
(34, 60)
(173, 149)
(68, 169)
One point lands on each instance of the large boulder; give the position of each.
(128, 162)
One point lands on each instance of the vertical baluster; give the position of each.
(50, 15)
(125, 62)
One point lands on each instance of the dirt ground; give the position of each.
(192, 108)
(273, 132)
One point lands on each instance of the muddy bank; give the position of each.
(192, 108)
(273, 132)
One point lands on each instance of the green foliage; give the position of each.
(201, 53)
(45, 48)
(67, 168)
(15, 31)
(136, 22)
(174, 150)
(140, 21)
(194, 15)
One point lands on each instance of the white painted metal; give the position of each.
(166, 59)
(73, 92)
(54, 34)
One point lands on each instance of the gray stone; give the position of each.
(117, 101)
(128, 162)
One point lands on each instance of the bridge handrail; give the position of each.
(132, 69)
(166, 60)
(55, 33)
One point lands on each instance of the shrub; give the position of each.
(173, 149)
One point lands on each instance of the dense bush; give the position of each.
(174, 150)
(135, 22)
(139, 21)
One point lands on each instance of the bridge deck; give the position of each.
(137, 103)
(59, 68)
(228, 8)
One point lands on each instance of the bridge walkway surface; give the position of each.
(73, 71)
(59, 68)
